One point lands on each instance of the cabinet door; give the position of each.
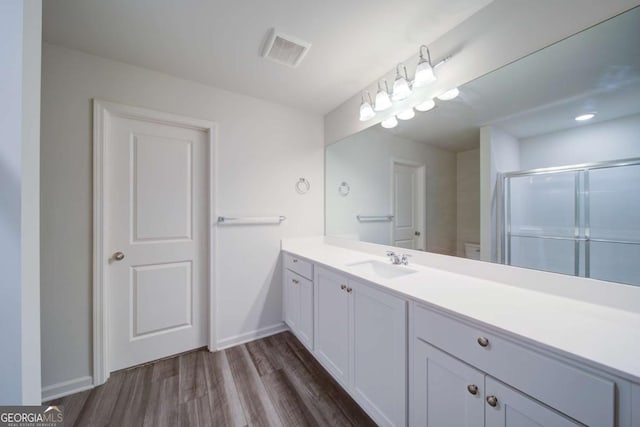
(514, 409)
(291, 306)
(446, 391)
(305, 313)
(331, 326)
(379, 343)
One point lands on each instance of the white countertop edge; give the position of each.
(626, 336)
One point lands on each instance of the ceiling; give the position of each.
(595, 70)
(218, 42)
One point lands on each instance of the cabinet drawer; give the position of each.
(577, 393)
(300, 266)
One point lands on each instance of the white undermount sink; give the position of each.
(380, 269)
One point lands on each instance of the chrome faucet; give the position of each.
(398, 259)
(393, 257)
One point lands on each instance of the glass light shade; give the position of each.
(585, 117)
(426, 105)
(389, 123)
(424, 74)
(366, 111)
(383, 101)
(407, 114)
(401, 89)
(449, 95)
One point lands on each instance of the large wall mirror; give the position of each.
(504, 172)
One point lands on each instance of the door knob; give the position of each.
(118, 256)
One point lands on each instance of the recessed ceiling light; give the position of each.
(585, 117)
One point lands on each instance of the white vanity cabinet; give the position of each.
(361, 339)
(481, 378)
(298, 298)
(448, 392)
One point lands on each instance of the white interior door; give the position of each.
(408, 218)
(156, 235)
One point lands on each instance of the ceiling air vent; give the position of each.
(285, 49)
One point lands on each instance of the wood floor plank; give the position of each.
(165, 368)
(263, 355)
(193, 383)
(258, 409)
(195, 413)
(162, 409)
(72, 406)
(314, 395)
(226, 409)
(288, 403)
(98, 408)
(341, 398)
(130, 406)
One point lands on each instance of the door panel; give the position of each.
(406, 221)
(515, 409)
(156, 205)
(305, 315)
(379, 353)
(441, 396)
(332, 324)
(161, 188)
(174, 310)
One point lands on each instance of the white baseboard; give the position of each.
(66, 388)
(251, 336)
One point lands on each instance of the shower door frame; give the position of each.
(580, 170)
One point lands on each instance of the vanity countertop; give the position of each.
(606, 337)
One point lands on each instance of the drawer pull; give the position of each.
(483, 341)
(343, 287)
(492, 401)
(295, 260)
(295, 281)
(473, 389)
(349, 290)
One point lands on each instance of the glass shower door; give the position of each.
(543, 221)
(613, 223)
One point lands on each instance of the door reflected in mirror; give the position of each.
(554, 138)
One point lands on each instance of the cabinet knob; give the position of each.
(483, 341)
(349, 290)
(492, 401)
(295, 281)
(473, 389)
(343, 287)
(295, 260)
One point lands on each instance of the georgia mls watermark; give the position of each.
(31, 416)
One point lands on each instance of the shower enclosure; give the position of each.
(581, 220)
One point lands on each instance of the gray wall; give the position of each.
(263, 148)
(20, 47)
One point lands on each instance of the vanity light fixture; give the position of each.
(407, 114)
(366, 109)
(389, 123)
(383, 102)
(449, 95)
(585, 117)
(424, 70)
(401, 88)
(426, 105)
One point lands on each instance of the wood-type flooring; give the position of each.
(273, 381)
